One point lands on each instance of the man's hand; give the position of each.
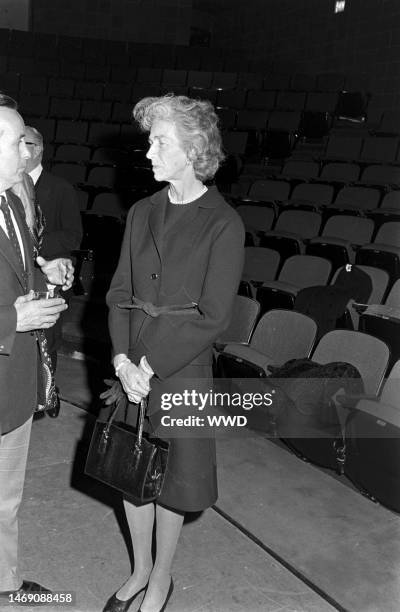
(37, 314)
(58, 271)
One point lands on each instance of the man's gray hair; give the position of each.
(7, 101)
(36, 133)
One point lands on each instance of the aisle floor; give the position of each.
(283, 536)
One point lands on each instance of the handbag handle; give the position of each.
(142, 410)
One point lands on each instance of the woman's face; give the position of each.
(168, 159)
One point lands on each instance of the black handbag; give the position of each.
(127, 459)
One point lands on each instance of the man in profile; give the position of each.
(63, 227)
(20, 316)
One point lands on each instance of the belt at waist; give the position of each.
(155, 311)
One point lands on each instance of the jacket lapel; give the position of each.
(156, 218)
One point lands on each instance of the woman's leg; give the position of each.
(140, 521)
(168, 528)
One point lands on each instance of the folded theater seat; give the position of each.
(372, 436)
(306, 413)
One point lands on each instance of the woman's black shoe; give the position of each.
(119, 605)
(171, 588)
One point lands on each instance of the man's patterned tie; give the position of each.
(12, 234)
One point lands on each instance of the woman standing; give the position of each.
(183, 247)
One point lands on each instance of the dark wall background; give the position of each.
(292, 35)
(307, 36)
(158, 21)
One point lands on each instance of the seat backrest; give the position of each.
(356, 348)
(305, 271)
(199, 78)
(389, 233)
(231, 98)
(71, 172)
(322, 101)
(254, 119)
(391, 388)
(244, 317)
(304, 223)
(235, 142)
(149, 75)
(302, 169)
(87, 90)
(379, 279)
(393, 299)
(60, 107)
(391, 200)
(381, 175)
(256, 217)
(174, 77)
(104, 176)
(285, 121)
(346, 227)
(260, 264)
(361, 197)
(224, 80)
(340, 171)
(382, 149)
(318, 193)
(390, 122)
(249, 80)
(277, 81)
(71, 131)
(73, 153)
(344, 147)
(106, 134)
(303, 82)
(269, 190)
(261, 100)
(330, 81)
(284, 335)
(108, 204)
(291, 100)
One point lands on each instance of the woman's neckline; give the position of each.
(188, 200)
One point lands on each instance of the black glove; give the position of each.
(114, 394)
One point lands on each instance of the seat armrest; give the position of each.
(349, 400)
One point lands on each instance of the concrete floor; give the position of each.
(283, 537)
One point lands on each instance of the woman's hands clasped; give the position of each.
(135, 380)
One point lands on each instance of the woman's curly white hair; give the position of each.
(196, 124)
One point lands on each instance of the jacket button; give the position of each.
(154, 276)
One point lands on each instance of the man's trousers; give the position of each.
(13, 455)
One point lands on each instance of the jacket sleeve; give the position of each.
(8, 327)
(224, 271)
(121, 290)
(69, 236)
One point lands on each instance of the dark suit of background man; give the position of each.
(63, 228)
(20, 315)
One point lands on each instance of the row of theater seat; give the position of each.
(314, 195)
(358, 436)
(114, 115)
(99, 52)
(276, 284)
(251, 99)
(224, 88)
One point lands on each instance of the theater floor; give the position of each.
(283, 537)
